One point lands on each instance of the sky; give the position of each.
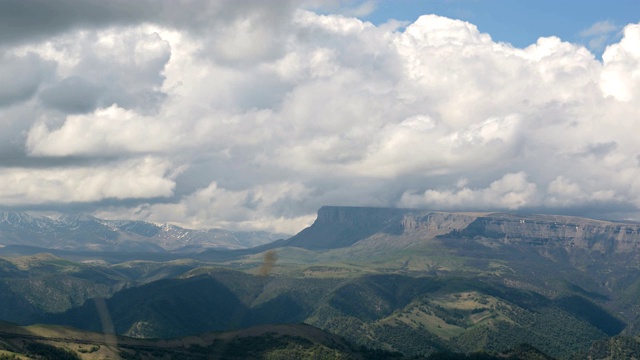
(251, 115)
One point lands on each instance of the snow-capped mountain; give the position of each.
(84, 232)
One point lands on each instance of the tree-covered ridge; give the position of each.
(413, 315)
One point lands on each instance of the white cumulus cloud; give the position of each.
(253, 115)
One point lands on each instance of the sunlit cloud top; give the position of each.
(252, 114)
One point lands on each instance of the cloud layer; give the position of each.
(243, 115)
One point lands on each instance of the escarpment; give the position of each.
(337, 227)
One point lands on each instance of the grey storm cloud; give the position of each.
(39, 19)
(253, 114)
(72, 95)
(21, 77)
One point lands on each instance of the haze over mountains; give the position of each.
(84, 232)
(405, 280)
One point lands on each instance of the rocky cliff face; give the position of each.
(337, 227)
(358, 216)
(433, 224)
(547, 230)
(344, 226)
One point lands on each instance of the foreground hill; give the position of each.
(292, 341)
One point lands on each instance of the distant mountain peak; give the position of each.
(81, 217)
(15, 217)
(86, 232)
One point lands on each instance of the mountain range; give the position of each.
(415, 282)
(87, 233)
